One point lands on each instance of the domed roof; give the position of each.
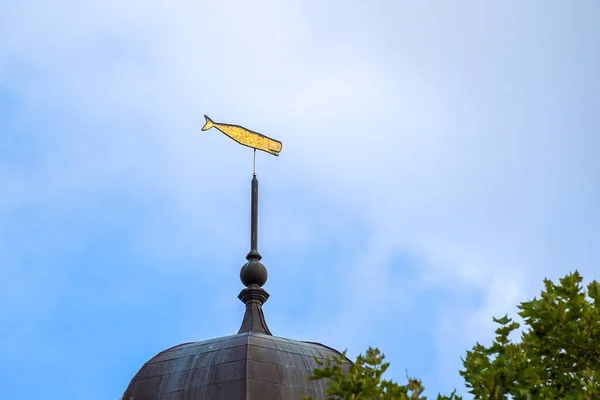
(252, 365)
(248, 365)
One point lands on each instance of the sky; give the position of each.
(440, 159)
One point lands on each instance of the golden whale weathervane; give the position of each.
(244, 136)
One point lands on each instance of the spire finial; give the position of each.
(254, 275)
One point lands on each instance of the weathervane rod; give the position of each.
(254, 210)
(254, 215)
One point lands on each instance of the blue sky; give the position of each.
(439, 161)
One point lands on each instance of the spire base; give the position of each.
(254, 319)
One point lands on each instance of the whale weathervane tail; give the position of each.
(209, 124)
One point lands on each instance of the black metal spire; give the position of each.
(254, 274)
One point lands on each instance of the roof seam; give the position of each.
(187, 369)
(284, 384)
(200, 386)
(189, 355)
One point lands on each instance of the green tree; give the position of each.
(557, 357)
(363, 380)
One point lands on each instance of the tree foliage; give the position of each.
(363, 380)
(557, 357)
